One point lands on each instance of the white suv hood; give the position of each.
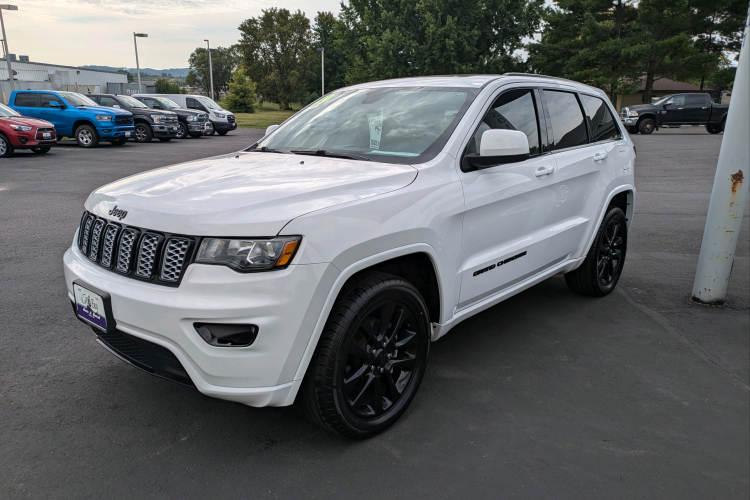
(243, 194)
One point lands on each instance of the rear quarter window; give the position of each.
(603, 124)
(26, 100)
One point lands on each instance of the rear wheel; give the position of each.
(370, 359)
(42, 149)
(646, 126)
(143, 133)
(87, 136)
(600, 271)
(715, 128)
(6, 148)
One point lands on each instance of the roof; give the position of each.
(58, 66)
(667, 85)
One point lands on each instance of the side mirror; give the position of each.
(270, 129)
(54, 104)
(499, 146)
(116, 106)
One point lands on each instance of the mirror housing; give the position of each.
(498, 146)
(54, 104)
(116, 106)
(270, 129)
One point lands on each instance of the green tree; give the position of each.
(241, 95)
(328, 33)
(165, 86)
(224, 61)
(276, 52)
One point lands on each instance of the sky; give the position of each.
(79, 32)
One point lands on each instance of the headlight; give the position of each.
(248, 254)
(159, 118)
(632, 113)
(220, 115)
(192, 118)
(104, 118)
(22, 128)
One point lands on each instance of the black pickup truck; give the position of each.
(673, 111)
(164, 125)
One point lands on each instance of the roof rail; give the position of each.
(542, 76)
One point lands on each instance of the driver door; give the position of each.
(56, 115)
(672, 112)
(508, 208)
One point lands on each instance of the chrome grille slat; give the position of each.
(174, 258)
(96, 234)
(108, 247)
(125, 250)
(86, 234)
(147, 255)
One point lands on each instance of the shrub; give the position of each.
(241, 96)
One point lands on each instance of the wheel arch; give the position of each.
(82, 121)
(648, 115)
(621, 196)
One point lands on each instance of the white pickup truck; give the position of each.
(321, 262)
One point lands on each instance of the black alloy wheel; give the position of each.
(143, 133)
(601, 269)
(371, 357)
(182, 131)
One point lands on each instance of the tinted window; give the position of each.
(678, 100)
(696, 100)
(603, 124)
(107, 101)
(193, 104)
(513, 110)
(152, 103)
(568, 125)
(26, 100)
(45, 99)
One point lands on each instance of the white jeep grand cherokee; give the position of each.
(321, 262)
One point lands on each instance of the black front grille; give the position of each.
(230, 118)
(153, 256)
(146, 355)
(124, 120)
(171, 119)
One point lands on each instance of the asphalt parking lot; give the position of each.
(640, 394)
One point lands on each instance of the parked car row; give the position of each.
(36, 119)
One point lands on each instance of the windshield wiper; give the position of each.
(270, 150)
(330, 154)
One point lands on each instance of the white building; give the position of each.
(40, 76)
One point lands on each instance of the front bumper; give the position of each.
(221, 126)
(629, 121)
(284, 305)
(116, 131)
(169, 130)
(196, 126)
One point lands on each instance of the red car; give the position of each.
(20, 132)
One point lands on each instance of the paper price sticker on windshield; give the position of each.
(376, 129)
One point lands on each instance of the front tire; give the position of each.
(182, 131)
(87, 136)
(6, 148)
(646, 126)
(370, 359)
(222, 132)
(143, 133)
(601, 270)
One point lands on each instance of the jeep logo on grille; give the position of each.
(116, 212)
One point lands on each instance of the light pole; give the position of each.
(322, 51)
(137, 64)
(210, 68)
(3, 7)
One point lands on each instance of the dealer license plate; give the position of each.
(90, 306)
(47, 135)
(127, 134)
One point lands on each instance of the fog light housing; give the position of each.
(227, 335)
(23, 140)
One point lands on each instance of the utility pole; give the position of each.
(730, 190)
(5, 43)
(210, 68)
(137, 64)
(322, 51)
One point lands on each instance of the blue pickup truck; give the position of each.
(75, 115)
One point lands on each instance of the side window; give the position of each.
(603, 124)
(45, 99)
(193, 104)
(27, 100)
(513, 110)
(568, 125)
(696, 100)
(152, 103)
(678, 100)
(107, 101)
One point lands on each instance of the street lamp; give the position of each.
(322, 51)
(3, 7)
(210, 68)
(137, 64)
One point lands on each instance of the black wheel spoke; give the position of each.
(377, 398)
(398, 321)
(393, 389)
(409, 340)
(362, 394)
(351, 382)
(358, 351)
(406, 364)
(370, 331)
(385, 319)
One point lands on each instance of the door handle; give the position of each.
(600, 156)
(704, 107)
(679, 108)
(542, 171)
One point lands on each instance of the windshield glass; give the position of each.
(131, 102)
(6, 111)
(209, 103)
(75, 99)
(394, 125)
(169, 104)
(663, 100)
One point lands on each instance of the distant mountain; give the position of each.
(175, 72)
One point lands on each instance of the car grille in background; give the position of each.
(230, 118)
(624, 112)
(171, 119)
(158, 257)
(202, 117)
(123, 120)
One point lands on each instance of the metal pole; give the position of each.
(730, 190)
(210, 68)
(7, 53)
(322, 72)
(137, 64)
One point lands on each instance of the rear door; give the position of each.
(584, 172)
(27, 103)
(606, 131)
(508, 208)
(57, 115)
(697, 109)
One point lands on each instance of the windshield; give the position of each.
(131, 102)
(663, 100)
(75, 99)
(394, 125)
(6, 111)
(209, 103)
(169, 104)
